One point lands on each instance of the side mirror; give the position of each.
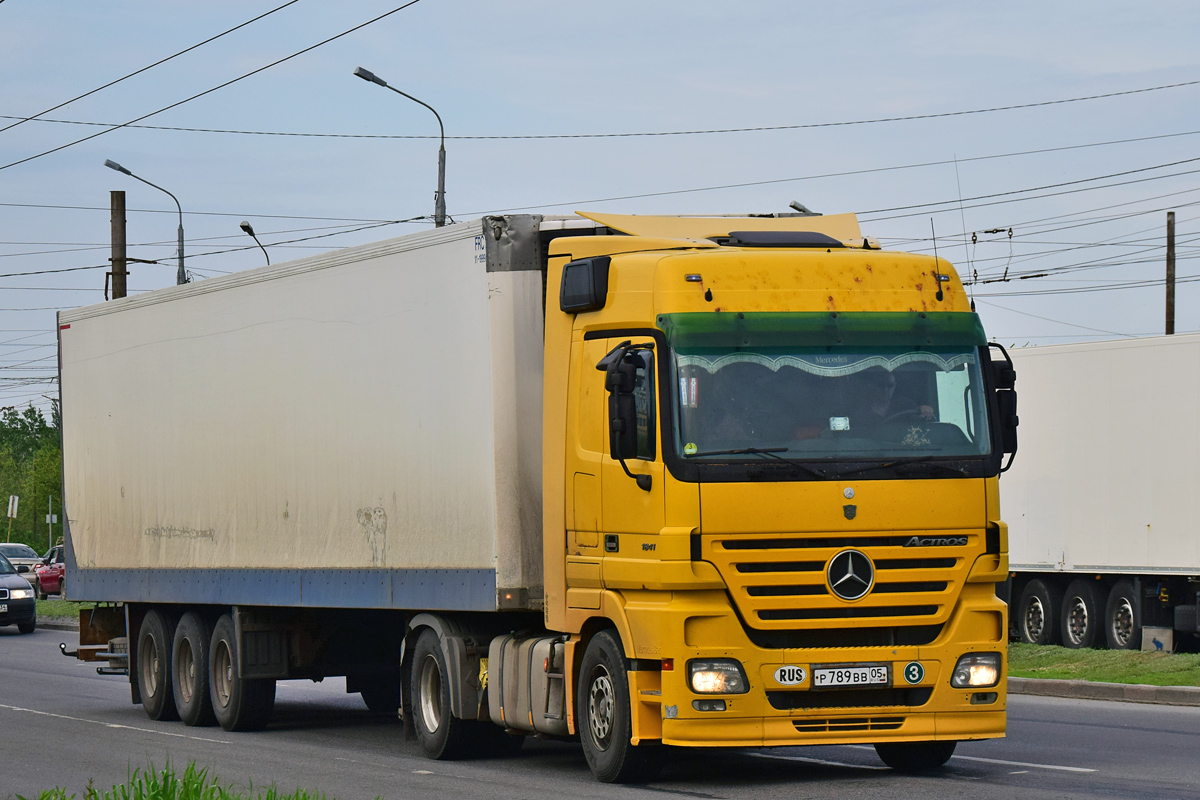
(620, 367)
(1004, 381)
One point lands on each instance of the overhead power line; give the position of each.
(22, 120)
(213, 89)
(632, 134)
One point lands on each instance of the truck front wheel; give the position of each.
(605, 725)
(913, 757)
(239, 704)
(154, 665)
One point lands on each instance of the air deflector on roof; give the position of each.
(781, 239)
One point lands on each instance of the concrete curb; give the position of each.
(1123, 692)
(58, 624)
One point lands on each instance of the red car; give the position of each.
(50, 576)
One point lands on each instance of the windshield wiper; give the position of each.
(769, 452)
(907, 466)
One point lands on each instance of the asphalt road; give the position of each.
(61, 724)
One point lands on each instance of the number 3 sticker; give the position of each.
(914, 672)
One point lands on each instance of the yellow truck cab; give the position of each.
(771, 461)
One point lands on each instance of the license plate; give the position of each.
(3, 608)
(851, 675)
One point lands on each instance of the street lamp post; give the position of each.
(181, 275)
(245, 225)
(439, 203)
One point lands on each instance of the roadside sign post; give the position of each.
(51, 518)
(12, 513)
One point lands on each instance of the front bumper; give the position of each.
(704, 625)
(19, 611)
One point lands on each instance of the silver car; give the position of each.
(23, 557)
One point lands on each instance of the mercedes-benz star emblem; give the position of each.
(850, 574)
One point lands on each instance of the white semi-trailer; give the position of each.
(1103, 504)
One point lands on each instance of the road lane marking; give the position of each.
(821, 761)
(1023, 764)
(112, 724)
(996, 761)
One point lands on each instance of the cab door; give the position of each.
(629, 512)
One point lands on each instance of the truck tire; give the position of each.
(189, 657)
(154, 672)
(1037, 613)
(1123, 617)
(914, 757)
(442, 736)
(605, 722)
(239, 704)
(1081, 615)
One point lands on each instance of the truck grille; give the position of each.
(848, 724)
(780, 583)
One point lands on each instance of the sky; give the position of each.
(1065, 123)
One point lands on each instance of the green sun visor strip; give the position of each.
(908, 329)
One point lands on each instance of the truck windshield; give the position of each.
(879, 387)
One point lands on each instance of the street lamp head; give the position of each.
(367, 75)
(108, 162)
(245, 226)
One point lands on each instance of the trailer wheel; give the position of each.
(189, 655)
(605, 716)
(914, 757)
(1037, 617)
(1081, 615)
(1123, 617)
(441, 734)
(239, 704)
(154, 665)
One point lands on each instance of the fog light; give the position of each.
(708, 705)
(976, 670)
(717, 676)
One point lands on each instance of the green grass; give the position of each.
(194, 784)
(60, 608)
(1107, 666)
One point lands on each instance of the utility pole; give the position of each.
(51, 518)
(118, 244)
(1170, 272)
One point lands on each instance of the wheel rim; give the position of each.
(222, 677)
(601, 708)
(1122, 622)
(1035, 619)
(150, 661)
(1077, 620)
(431, 694)
(185, 671)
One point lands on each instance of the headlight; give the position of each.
(20, 594)
(976, 671)
(717, 676)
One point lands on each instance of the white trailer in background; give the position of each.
(1103, 500)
